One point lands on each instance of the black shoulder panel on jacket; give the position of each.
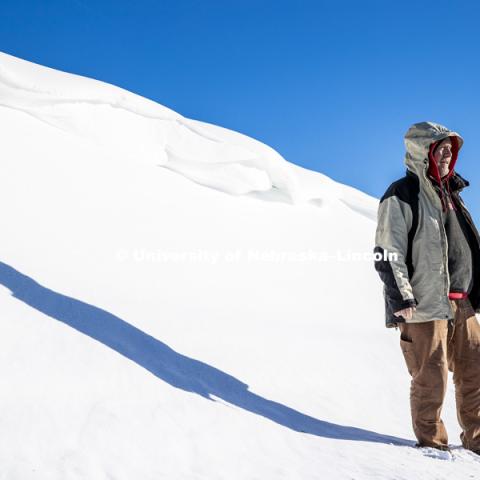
(406, 189)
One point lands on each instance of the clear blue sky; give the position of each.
(332, 85)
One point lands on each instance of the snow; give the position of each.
(168, 310)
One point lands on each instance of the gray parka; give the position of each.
(410, 225)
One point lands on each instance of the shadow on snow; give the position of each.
(172, 367)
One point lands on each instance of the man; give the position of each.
(427, 253)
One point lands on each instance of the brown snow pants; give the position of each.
(430, 350)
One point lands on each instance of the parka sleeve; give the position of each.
(394, 220)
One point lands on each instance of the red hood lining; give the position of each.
(433, 169)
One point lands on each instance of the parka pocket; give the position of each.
(434, 253)
(406, 344)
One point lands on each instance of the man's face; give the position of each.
(443, 156)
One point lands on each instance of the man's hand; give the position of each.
(406, 313)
